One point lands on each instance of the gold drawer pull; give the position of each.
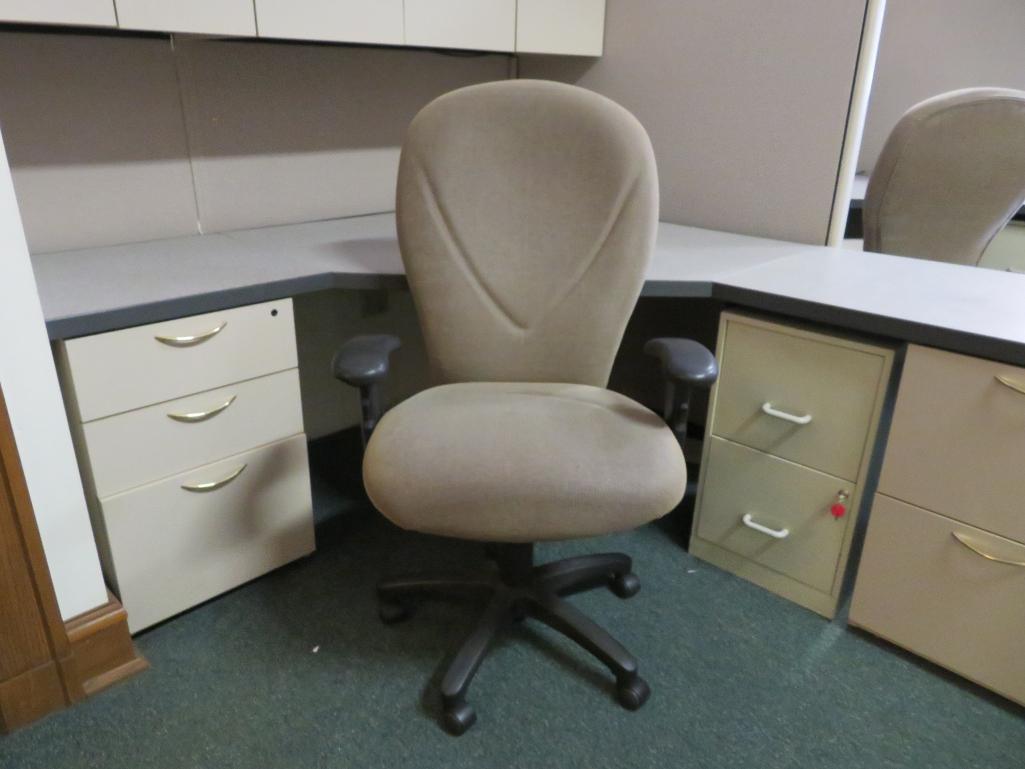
(974, 548)
(213, 485)
(1006, 381)
(188, 341)
(202, 416)
(804, 419)
(751, 523)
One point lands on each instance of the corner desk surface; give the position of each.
(976, 311)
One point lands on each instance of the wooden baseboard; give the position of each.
(102, 647)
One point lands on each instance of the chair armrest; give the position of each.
(683, 362)
(364, 360)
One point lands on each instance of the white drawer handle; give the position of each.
(802, 420)
(202, 416)
(212, 485)
(774, 533)
(188, 341)
(1006, 381)
(974, 548)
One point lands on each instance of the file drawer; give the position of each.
(172, 548)
(922, 589)
(800, 395)
(774, 513)
(128, 450)
(957, 442)
(124, 370)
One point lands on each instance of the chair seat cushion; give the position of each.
(522, 462)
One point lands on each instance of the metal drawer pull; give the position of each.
(202, 416)
(1006, 381)
(188, 341)
(802, 420)
(213, 485)
(960, 538)
(774, 533)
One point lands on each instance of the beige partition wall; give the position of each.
(932, 46)
(746, 104)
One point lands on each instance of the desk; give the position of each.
(978, 312)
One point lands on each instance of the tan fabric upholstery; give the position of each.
(522, 462)
(526, 215)
(951, 175)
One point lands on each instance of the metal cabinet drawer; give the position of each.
(774, 513)
(921, 588)
(124, 370)
(128, 450)
(957, 441)
(172, 548)
(800, 395)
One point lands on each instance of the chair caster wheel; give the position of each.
(634, 693)
(390, 613)
(459, 718)
(625, 585)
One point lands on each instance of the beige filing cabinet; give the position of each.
(943, 568)
(791, 428)
(190, 438)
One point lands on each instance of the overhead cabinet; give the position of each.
(483, 25)
(86, 13)
(210, 17)
(569, 27)
(345, 21)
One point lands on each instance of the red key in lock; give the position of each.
(838, 509)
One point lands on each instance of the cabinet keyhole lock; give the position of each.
(839, 508)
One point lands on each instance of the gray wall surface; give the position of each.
(746, 104)
(932, 46)
(116, 139)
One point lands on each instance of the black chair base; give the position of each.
(523, 590)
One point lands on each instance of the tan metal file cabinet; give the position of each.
(190, 439)
(943, 568)
(791, 428)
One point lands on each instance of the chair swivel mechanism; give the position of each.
(527, 214)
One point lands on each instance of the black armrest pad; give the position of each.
(685, 360)
(363, 360)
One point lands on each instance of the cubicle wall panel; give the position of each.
(211, 17)
(282, 134)
(746, 105)
(95, 137)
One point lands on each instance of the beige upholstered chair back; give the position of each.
(527, 213)
(951, 175)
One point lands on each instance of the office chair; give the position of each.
(950, 176)
(527, 213)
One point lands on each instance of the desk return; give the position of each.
(190, 438)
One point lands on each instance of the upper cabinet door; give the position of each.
(210, 17)
(346, 21)
(482, 25)
(93, 13)
(572, 27)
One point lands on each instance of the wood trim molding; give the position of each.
(45, 666)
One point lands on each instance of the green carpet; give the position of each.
(740, 678)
